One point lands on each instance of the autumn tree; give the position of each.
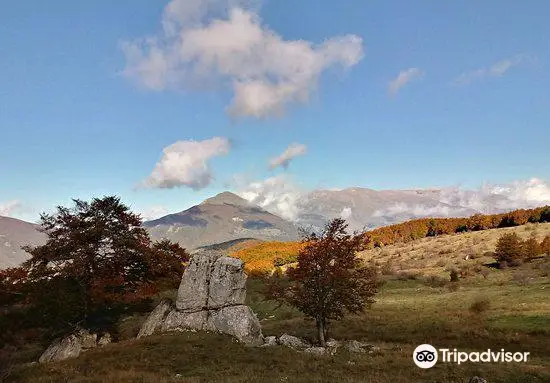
(97, 257)
(329, 279)
(531, 248)
(509, 249)
(545, 245)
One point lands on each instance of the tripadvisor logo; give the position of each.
(426, 356)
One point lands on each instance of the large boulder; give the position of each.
(72, 345)
(155, 320)
(211, 297)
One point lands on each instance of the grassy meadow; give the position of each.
(486, 308)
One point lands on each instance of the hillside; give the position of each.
(222, 218)
(15, 233)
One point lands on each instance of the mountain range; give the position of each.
(228, 217)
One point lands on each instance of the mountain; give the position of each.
(15, 233)
(368, 208)
(222, 218)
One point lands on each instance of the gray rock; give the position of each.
(69, 347)
(355, 346)
(195, 282)
(332, 343)
(269, 341)
(316, 350)
(155, 320)
(211, 297)
(180, 320)
(477, 379)
(293, 342)
(238, 321)
(105, 339)
(227, 283)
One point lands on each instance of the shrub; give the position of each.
(435, 281)
(509, 250)
(480, 305)
(454, 275)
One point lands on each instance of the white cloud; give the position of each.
(346, 213)
(294, 150)
(225, 42)
(153, 212)
(489, 199)
(404, 77)
(497, 69)
(185, 163)
(7, 209)
(278, 195)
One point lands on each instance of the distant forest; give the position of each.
(431, 227)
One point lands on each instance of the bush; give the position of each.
(480, 305)
(454, 275)
(509, 250)
(435, 281)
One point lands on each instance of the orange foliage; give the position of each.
(261, 257)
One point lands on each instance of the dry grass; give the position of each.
(437, 255)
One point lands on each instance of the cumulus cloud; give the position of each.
(7, 209)
(153, 212)
(185, 163)
(225, 42)
(497, 69)
(294, 150)
(403, 78)
(278, 195)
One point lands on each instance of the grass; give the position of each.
(415, 305)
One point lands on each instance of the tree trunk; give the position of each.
(321, 331)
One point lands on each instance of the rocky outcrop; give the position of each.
(211, 297)
(72, 345)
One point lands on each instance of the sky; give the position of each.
(166, 103)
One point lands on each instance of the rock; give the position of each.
(238, 321)
(194, 286)
(180, 320)
(316, 350)
(211, 297)
(269, 341)
(155, 320)
(227, 283)
(293, 342)
(105, 339)
(354, 346)
(69, 347)
(332, 343)
(477, 379)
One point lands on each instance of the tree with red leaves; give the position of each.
(329, 279)
(97, 257)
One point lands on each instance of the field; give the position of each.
(486, 308)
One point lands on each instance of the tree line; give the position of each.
(430, 227)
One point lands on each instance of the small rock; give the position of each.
(332, 343)
(354, 346)
(105, 339)
(269, 341)
(293, 342)
(69, 347)
(477, 379)
(316, 350)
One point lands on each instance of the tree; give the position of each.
(166, 261)
(97, 257)
(545, 245)
(509, 249)
(329, 280)
(531, 248)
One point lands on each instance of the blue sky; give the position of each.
(79, 117)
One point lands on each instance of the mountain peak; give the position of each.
(226, 198)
